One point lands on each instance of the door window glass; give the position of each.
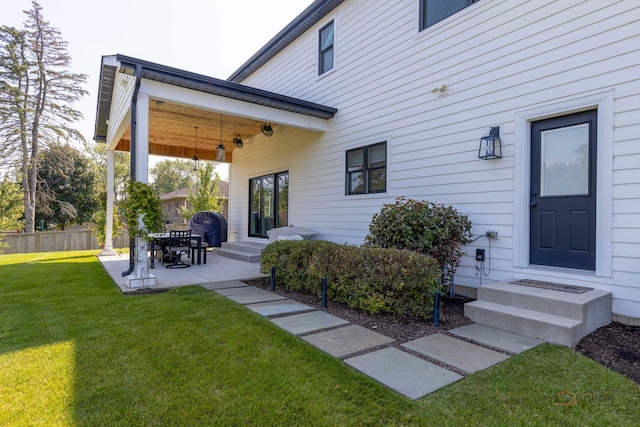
(269, 203)
(564, 166)
(283, 200)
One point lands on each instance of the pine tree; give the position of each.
(67, 186)
(36, 94)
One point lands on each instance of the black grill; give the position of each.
(211, 226)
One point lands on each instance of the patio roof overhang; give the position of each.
(179, 100)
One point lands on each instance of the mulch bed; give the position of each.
(615, 346)
(401, 329)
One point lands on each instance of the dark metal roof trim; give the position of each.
(198, 82)
(307, 19)
(105, 92)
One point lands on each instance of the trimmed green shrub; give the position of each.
(375, 280)
(292, 259)
(425, 227)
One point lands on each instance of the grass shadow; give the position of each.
(184, 357)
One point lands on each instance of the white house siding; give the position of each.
(120, 113)
(499, 59)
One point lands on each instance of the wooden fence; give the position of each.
(53, 241)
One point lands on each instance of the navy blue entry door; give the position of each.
(563, 191)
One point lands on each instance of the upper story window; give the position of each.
(434, 11)
(367, 169)
(325, 48)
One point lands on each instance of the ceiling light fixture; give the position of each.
(237, 141)
(195, 159)
(267, 129)
(220, 151)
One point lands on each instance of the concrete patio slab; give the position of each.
(308, 322)
(497, 338)
(454, 352)
(402, 372)
(248, 295)
(347, 340)
(273, 308)
(217, 268)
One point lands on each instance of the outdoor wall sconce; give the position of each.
(490, 147)
(195, 159)
(237, 141)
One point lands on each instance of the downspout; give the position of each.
(132, 159)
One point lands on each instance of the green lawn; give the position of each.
(75, 352)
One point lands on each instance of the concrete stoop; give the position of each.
(243, 251)
(554, 316)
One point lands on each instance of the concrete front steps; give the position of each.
(554, 316)
(248, 251)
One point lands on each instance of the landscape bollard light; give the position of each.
(436, 309)
(273, 278)
(324, 292)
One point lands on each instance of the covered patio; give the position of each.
(147, 109)
(217, 269)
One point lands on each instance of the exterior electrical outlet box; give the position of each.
(492, 234)
(480, 255)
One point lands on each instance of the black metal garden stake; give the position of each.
(436, 309)
(324, 292)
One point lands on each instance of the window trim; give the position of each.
(366, 169)
(422, 4)
(331, 48)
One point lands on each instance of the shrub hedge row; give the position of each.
(375, 280)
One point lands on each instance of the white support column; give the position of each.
(142, 138)
(108, 229)
(141, 276)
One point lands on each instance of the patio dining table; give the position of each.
(163, 240)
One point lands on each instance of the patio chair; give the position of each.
(179, 244)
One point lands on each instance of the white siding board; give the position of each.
(625, 220)
(628, 265)
(628, 250)
(626, 308)
(628, 191)
(626, 176)
(630, 161)
(120, 107)
(627, 206)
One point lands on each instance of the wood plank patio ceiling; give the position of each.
(172, 131)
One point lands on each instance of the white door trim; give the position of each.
(603, 101)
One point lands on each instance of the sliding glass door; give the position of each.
(268, 203)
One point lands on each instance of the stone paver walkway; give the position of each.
(413, 373)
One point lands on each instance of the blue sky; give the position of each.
(211, 37)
